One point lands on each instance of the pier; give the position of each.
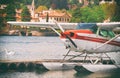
(33, 65)
(27, 65)
(20, 65)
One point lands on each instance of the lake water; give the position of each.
(36, 48)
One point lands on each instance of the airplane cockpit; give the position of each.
(96, 30)
(92, 26)
(106, 33)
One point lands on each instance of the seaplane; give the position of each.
(97, 45)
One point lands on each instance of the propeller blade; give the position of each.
(71, 41)
(65, 34)
(55, 31)
(59, 26)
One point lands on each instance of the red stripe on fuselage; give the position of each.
(100, 40)
(87, 31)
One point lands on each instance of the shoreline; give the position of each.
(33, 33)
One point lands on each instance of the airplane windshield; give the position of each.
(106, 33)
(91, 26)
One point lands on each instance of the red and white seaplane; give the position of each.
(98, 46)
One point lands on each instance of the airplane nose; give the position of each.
(67, 44)
(71, 34)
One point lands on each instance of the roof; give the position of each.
(54, 13)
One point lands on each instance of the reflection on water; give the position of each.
(58, 74)
(40, 48)
(97, 75)
(48, 74)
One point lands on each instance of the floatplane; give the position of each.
(96, 43)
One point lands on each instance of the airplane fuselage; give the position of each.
(86, 40)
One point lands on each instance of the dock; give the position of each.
(27, 65)
(33, 65)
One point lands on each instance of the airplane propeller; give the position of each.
(59, 26)
(72, 42)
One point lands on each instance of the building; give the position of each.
(59, 16)
(19, 11)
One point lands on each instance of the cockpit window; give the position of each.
(106, 33)
(94, 28)
(91, 26)
(103, 33)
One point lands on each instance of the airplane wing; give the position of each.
(44, 24)
(110, 25)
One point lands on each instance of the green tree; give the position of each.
(76, 14)
(41, 8)
(88, 14)
(60, 4)
(93, 3)
(46, 3)
(7, 1)
(10, 12)
(94, 14)
(2, 19)
(25, 15)
(109, 9)
(64, 4)
(96, 2)
(73, 1)
(118, 2)
(116, 16)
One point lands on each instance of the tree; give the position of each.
(88, 14)
(47, 18)
(118, 2)
(109, 9)
(7, 1)
(25, 15)
(2, 19)
(96, 2)
(46, 3)
(64, 4)
(116, 16)
(73, 1)
(10, 12)
(41, 8)
(93, 3)
(76, 14)
(92, 14)
(60, 4)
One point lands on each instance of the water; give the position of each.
(36, 48)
